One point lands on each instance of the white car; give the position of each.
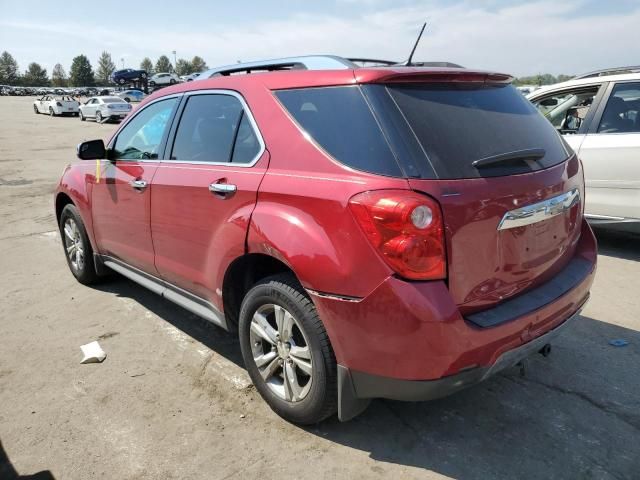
(598, 114)
(56, 105)
(190, 78)
(103, 109)
(164, 79)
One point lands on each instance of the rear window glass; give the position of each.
(111, 100)
(340, 121)
(459, 124)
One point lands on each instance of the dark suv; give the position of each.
(127, 75)
(390, 232)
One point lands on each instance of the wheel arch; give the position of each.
(241, 275)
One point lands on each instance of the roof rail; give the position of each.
(309, 62)
(609, 71)
(375, 62)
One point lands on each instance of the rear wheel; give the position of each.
(82, 117)
(51, 112)
(35, 109)
(76, 245)
(98, 117)
(152, 83)
(287, 351)
(122, 81)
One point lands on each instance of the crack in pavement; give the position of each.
(627, 419)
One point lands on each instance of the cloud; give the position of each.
(522, 39)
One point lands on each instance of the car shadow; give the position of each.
(8, 472)
(574, 414)
(205, 332)
(621, 245)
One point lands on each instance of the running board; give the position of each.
(186, 300)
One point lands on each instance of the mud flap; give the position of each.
(349, 405)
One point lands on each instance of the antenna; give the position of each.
(415, 45)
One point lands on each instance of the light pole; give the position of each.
(174, 60)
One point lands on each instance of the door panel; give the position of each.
(197, 232)
(612, 174)
(122, 197)
(121, 212)
(203, 196)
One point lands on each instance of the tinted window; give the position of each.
(247, 145)
(567, 110)
(207, 129)
(458, 124)
(341, 122)
(622, 113)
(140, 138)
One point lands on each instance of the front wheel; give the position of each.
(82, 117)
(76, 245)
(152, 84)
(287, 351)
(122, 81)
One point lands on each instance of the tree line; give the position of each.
(81, 73)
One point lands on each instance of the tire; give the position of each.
(172, 82)
(152, 84)
(127, 99)
(82, 117)
(143, 75)
(51, 112)
(308, 399)
(35, 109)
(98, 117)
(122, 81)
(76, 245)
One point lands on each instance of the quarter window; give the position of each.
(142, 136)
(215, 128)
(622, 113)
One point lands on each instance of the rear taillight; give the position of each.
(407, 230)
(58, 104)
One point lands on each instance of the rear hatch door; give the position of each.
(509, 186)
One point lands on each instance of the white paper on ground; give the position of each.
(93, 353)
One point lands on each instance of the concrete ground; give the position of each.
(172, 400)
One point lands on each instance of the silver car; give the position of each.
(104, 109)
(598, 114)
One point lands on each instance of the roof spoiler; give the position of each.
(438, 76)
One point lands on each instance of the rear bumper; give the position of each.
(357, 388)
(404, 336)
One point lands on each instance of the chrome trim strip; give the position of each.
(332, 296)
(540, 211)
(177, 295)
(249, 115)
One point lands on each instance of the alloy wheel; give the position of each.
(281, 352)
(73, 244)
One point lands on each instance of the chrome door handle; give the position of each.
(138, 184)
(223, 188)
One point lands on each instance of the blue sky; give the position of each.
(517, 37)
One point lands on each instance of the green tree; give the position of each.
(184, 67)
(81, 73)
(163, 65)
(9, 73)
(35, 76)
(105, 68)
(58, 76)
(198, 64)
(147, 65)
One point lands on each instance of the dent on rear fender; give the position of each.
(325, 251)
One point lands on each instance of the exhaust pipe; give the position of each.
(545, 351)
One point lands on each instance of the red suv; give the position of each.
(392, 232)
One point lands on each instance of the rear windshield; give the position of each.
(426, 131)
(457, 125)
(111, 100)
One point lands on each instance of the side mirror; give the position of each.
(549, 102)
(91, 150)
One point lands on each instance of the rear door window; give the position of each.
(341, 122)
(459, 124)
(215, 128)
(622, 113)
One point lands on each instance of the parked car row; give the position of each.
(99, 108)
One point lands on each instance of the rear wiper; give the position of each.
(529, 154)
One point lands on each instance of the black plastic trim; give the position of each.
(573, 274)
